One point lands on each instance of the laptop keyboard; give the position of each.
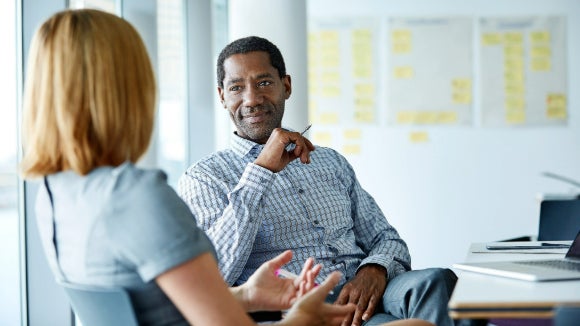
(559, 264)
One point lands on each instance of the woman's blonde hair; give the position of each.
(90, 94)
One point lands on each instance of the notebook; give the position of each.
(566, 268)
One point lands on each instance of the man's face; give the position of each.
(254, 94)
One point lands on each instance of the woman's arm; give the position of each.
(199, 292)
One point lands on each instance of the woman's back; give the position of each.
(119, 227)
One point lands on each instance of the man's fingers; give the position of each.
(370, 311)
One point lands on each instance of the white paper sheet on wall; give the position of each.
(523, 71)
(430, 71)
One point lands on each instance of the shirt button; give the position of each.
(300, 191)
(333, 261)
(316, 222)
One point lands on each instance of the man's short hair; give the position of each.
(250, 44)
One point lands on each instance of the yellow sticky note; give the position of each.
(512, 77)
(364, 103)
(406, 117)
(419, 137)
(446, 117)
(364, 90)
(540, 36)
(554, 99)
(515, 89)
(514, 103)
(514, 63)
(515, 70)
(362, 56)
(515, 116)
(402, 48)
(557, 112)
(401, 35)
(330, 77)
(404, 72)
(365, 116)
(328, 118)
(351, 149)
(330, 61)
(541, 64)
(513, 51)
(352, 134)
(329, 36)
(541, 51)
(330, 91)
(513, 38)
(426, 117)
(490, 39)
(362, 35)
(461, 97)
(313, 38)
(461, 84)
(365, 71)
(322, 139)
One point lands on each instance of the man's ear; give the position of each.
(221, 95)
(287, 85)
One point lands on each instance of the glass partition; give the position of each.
(10, 311)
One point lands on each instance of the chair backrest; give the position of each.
(101, 306)
(567, 316)
(559, 219)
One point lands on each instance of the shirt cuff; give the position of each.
(256, 178)
(393, 268)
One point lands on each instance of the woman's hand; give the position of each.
(311, 309)
(265, 291)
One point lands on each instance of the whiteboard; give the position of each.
(446, 186)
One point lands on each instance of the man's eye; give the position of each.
(265, 83)
(235, 88)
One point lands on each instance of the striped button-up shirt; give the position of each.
(318, 210)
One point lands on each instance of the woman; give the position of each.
(89, 108)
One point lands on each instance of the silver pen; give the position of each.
(301, 134)
(306, 129)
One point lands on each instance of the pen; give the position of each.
(289, 275)
(301, 134)
(306, 129)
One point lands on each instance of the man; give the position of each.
(273, 190)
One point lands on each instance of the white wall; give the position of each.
(466, 184)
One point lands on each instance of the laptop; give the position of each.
(567, 268)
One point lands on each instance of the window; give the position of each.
(10, 310)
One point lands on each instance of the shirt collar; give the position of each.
(244, 147)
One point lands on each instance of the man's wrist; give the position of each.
(374, 268)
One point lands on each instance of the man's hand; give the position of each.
(365, 290)
(265, 291)
(275, 156)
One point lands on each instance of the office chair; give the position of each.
(101, 306)
(567, 316)
(559, 219)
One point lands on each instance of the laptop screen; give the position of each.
(574, 251)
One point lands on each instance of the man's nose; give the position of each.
(253, 97)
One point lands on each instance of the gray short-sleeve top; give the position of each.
(122, 227)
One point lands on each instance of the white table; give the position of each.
(479, 296)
